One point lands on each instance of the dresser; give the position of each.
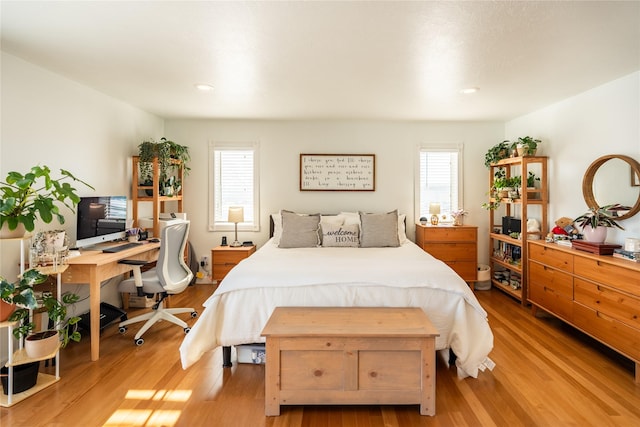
(600, 295)
(456, 245)
(224, 258)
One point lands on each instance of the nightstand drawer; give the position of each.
(452, 251)
(468, 270)
(224, 258)
(450, 234)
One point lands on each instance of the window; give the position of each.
(233, 174)
(439, 179)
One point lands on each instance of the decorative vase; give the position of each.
(19, 232)
(597, 235)
(5, 310)
(42, 344)
(458, 220)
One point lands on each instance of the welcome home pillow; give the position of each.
(340, 236)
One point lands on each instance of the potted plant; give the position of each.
(23, 198)
(496, 153)
(527, 146)
(22, 294)
(166, 151)
(595, 222)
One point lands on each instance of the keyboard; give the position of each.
(113, 249)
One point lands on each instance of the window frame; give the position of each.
(438, 147)
(237, 145)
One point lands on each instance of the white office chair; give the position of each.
(170, 276)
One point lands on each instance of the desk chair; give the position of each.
(170, 276)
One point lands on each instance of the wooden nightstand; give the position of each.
(456, 245)
(224, 258)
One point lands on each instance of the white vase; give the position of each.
(597, 235)
(38, 347)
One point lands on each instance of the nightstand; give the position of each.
(224, 258)
(456, 245)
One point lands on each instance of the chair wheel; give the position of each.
(139, 342)
(194, 314)
(186, 330)
(122, 329)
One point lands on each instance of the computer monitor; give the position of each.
(100, 219)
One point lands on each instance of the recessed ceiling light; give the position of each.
(203, 87)
(469, 90)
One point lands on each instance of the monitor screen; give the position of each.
(100, 219)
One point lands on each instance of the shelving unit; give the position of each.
(19, 356)
(139, 192)
(532, 203)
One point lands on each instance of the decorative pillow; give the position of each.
(402, 229)
(379, 230)
(299, 231)
(350, 217)
(277, 228)
(340, 235)
(331, 219)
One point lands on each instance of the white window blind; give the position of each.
(439, 179)
(234, 183)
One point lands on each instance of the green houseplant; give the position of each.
(595, 223)
(24, 197)
(527, 146)
(22, 294)
(166, 151)
(496, 153)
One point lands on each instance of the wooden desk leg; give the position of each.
(94, 315)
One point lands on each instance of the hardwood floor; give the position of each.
(547, 374)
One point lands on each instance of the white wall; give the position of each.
(53, 121)
(578, 130)
(281, 142)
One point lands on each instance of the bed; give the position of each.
(355, 260)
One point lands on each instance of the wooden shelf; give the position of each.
(44, 381)
(20, 357)
(537, 198)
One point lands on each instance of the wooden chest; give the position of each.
(349, 355)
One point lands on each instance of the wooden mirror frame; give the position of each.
(587, 182)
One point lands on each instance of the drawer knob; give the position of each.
(318, 373)
(373, 374)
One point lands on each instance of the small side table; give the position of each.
(224, 258)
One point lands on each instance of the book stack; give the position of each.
(629, 255)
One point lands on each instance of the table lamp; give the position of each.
(236, 215)
(434, 210)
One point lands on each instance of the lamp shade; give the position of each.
(434, 208)
(236, 214)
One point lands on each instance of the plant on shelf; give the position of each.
(24, 197)
(166, 151)
(598, 217)
(531, 180)
(23, 296)
(527, 146)
(496, 153)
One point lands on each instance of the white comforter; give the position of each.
(390, 277)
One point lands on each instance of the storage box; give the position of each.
(140, 302)
(251, 353)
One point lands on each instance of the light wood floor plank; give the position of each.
(547, 374)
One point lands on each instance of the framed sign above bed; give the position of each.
(337, 172)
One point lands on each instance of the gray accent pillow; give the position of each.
(299, 231)
(379, 230)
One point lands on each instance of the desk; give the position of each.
(92, 268)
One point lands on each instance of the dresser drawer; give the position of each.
(610, 331)
(452, 251)
(223, 258)
(553, 280)
(608, 274)
(450, 234)
(551, 257)
(619, 306)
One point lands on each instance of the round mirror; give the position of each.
(613, 179)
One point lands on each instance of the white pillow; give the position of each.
(277, 228)
(331, 219)
(402, 229)
(343, 236)
(350, 217)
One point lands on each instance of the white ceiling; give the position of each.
(332, 60)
